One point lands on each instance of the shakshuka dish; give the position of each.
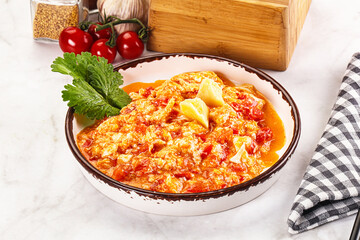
(192, 133)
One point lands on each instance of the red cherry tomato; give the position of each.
(129, 45)
(73, 39)
(102, 34)
(100, 49)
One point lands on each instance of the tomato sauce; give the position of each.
(272, 120)
(151, 145)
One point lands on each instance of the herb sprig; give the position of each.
(95, 90)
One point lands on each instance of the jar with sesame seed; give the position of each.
(50, 17)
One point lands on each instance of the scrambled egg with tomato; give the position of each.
(191, 134)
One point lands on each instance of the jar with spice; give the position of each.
(50, 17)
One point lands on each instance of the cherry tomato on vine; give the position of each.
(100, 49)
(129, 45)
(73, 39)
(102, 34)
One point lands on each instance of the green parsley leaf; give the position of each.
(95, 90)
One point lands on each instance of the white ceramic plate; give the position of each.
(164, 66)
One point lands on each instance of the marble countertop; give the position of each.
(45, 196)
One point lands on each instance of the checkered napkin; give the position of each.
(330, 188)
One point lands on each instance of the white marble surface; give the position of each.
(43, 194)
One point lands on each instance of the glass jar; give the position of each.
(50, 17)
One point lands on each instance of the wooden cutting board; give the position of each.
(260, 33)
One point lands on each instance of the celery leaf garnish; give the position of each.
(95, 90)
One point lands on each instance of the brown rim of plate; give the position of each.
(191, 196)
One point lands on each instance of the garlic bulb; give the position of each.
(125, 9)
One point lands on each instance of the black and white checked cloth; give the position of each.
(330, 188)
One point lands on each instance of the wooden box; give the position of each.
(260, 33)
